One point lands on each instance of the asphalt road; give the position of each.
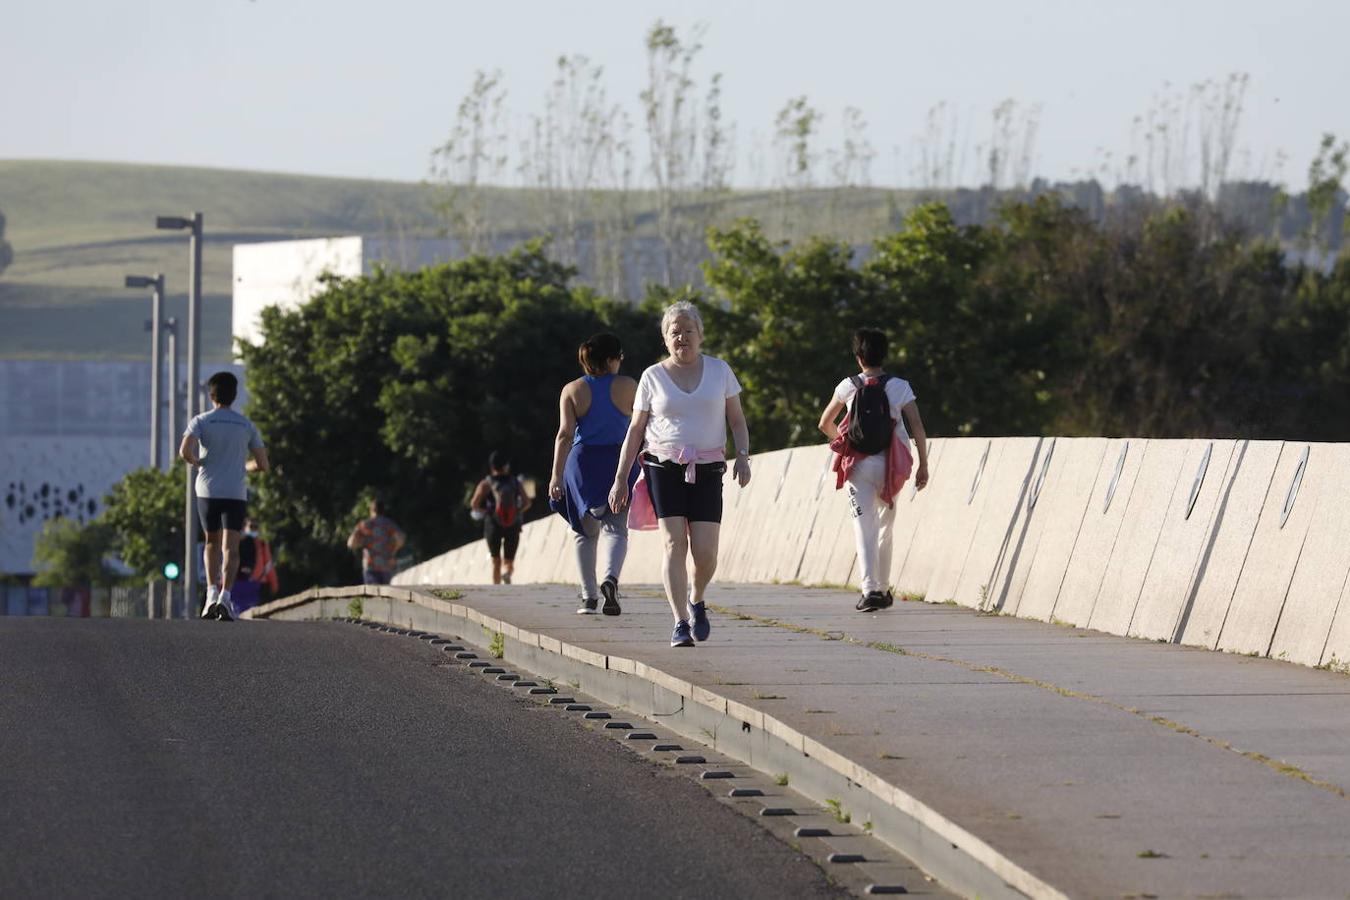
(144, 758)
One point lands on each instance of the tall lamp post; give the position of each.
(155, 282)
(194, 334)
(171, 329)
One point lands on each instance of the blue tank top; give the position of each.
(603, 423)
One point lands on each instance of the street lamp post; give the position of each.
(194, 333)
(171, 329)
(155, 282)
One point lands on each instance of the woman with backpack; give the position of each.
(593, 414)
(681, 410)
(500, 501)
(871, 447)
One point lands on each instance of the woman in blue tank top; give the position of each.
(593, 414)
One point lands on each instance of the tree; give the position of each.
(6, 251)
(144, 514)
(401, 383)
(472, 157)
(1325, 174)
(70, 554)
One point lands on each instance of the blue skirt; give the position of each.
(587, 477)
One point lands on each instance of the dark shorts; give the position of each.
(375, 576)
(673, 496)
(216, 514)
(502, 541)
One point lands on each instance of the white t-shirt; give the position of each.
(695, 419)
(898, 392)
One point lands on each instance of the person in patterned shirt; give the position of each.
(379, 539)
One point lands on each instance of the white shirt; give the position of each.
(898, 392)
(696, 418)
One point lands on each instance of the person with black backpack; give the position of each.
(871, 456)
(500, 501)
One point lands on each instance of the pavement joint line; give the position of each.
(991, 861)
(1281, 768)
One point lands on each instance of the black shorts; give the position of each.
(501, 541)
(673, 496)
(215, 514)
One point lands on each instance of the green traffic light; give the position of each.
(171, 571)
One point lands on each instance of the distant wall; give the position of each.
(1227, 545)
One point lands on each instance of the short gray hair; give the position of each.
(681, 308)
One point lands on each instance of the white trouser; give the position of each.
(615, 541)
(872, 521)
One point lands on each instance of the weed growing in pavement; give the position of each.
(498, 645)
(781, 779)
(837, 810)
(759, 696)
(1152, 854)
(355, 608)
(448, 593)
(868, 826)
(912, 597)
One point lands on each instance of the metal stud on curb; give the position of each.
(777, 811)
(812, 832)
(542, 690)
(493, 670)
(709, 776)
(640, 736)
(479, 664)
(667, 748)
(577, 707)
(560, 701)
(505, 676)
(886, 889)
(525, 684)
(621, 726)
(465, 654)
(596, 715)
(846, 858)
(745, 792)
(689, 760)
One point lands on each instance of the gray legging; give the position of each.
(615, 531)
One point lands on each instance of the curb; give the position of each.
(950, 853)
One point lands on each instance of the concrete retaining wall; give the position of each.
(1202, 542)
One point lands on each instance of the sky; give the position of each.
(369, 89)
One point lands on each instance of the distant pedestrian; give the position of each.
(256, 569)
(682, 407)
(224, 446)
(593, 414)
(379, 539)
(500, 501)
(872, 456)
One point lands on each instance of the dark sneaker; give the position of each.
(211, 610)
(889, 600)
(702, 627)
(609, 589)
(681, 637)
(225, 611)
(871, 602)
(587, 607)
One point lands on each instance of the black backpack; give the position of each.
(870, 425)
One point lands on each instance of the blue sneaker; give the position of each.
(681, 637)
(702, 627)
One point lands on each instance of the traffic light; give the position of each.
(171, 571)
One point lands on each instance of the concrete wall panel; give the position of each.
(830, 525)
(749, 517)
(1336, 653)
(779, 538)
(1098, 530)
(1041, 552)
(1323, 562)
(943, 532)
(1249, 480)
(1264, 580)
(914, 508)
(961, 516)
(1155, 487)
(1182, 538)
(1003, 513)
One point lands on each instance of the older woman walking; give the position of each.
(682, 408)
(593, 414)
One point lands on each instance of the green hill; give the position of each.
(78, 227)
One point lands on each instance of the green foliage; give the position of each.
(144, 514)
(401, 383)
(70, 554)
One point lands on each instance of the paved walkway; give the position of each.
(1106, 766)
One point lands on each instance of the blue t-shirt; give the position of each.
(226, 439)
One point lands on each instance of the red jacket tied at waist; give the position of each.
(899, 462)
